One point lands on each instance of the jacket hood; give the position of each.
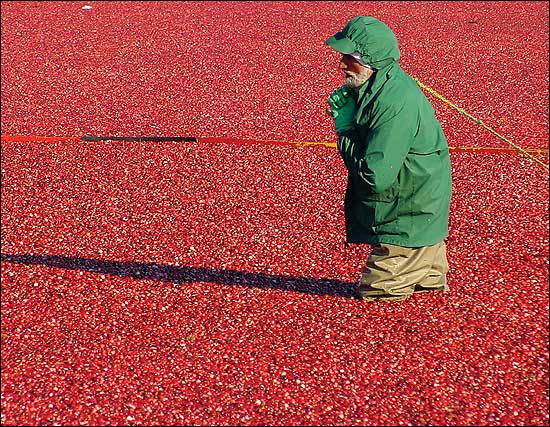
(373, 39)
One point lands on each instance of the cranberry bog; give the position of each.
(207, 281)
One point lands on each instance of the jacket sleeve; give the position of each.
(378, 159)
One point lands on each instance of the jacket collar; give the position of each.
(375, 83)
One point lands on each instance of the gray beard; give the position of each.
(355, 81)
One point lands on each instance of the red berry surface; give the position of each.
(170, 283)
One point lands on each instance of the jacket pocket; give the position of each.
(426, 152)
(384, 208)
(387, 196)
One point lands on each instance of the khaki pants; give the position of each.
(395, 272)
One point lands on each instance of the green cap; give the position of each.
(341, 43)
(373, 39)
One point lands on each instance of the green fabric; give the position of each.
(370, 37)
(343, 109)
(399, 176)
(399, 180)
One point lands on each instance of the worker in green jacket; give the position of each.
(399, 175)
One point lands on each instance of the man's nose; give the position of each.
(342, 64)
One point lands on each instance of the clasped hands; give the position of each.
(342, 109)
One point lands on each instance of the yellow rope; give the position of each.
(303, 144)
(528, 150)
(295, 144)
(480, 122)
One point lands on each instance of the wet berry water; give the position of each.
(164, 283)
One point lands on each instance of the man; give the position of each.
(399, 177)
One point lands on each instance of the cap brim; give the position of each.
(341, 44)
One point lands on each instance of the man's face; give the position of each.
(355, 73)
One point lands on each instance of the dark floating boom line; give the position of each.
(140, 138)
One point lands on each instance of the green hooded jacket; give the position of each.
(399, 175)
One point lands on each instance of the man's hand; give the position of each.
(342, 109)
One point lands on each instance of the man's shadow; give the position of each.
(184, 274)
